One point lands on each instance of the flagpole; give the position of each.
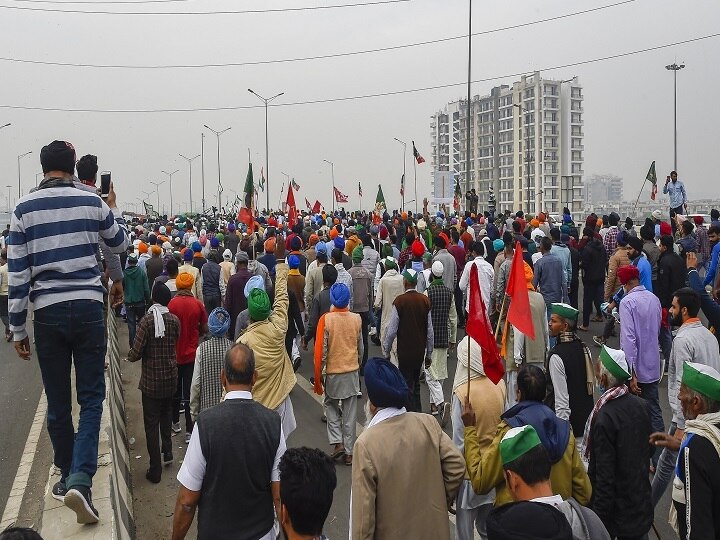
(638, 197)
(502, 309)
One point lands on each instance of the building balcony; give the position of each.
(578, 147)
(577, 109)
(550, 120)
(579, 122)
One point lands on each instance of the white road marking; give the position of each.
(12, 507)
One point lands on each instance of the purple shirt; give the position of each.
(639, 329)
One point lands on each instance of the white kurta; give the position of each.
(390, 287)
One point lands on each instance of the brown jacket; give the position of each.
(402, 494)
(618, 259)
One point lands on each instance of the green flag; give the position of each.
(249, 189)
(149, 209)
(652, 178)
(380, 201)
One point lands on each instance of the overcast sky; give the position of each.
(628, 101)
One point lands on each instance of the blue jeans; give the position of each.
(665, 470)
(68, 332)
(651, 396)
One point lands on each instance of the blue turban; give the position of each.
(468, 222)
(214, 242)
(321, 247)
(218, 322)
(498, 245)
(231, 226)
(386, 387)
(339, 243)
(294, 261)
(196, 247)
(340, 295)
(187, 255)
(255, 282)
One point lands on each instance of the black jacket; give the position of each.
(593, 258)
(618, 469)
(671, 276)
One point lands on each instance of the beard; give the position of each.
(368, 413)
(676, 321)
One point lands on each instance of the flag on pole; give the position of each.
(316, 207)
(246, 211)
(380, 201)
(519, 299)
(402, 185)
(149, 210)
(307, 203)
(339, 196)
(359, 189)
(458, 195)
(262, 179)
(291, 208)
(652, 178)
(478, 328)
(417, 155)
(295, 185)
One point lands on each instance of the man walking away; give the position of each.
(410, 322)
(307, 483)
(211, 277)
(616, 445)
(65, 286)
(137, 294)
(223, 472)
(205, 388)
(155, 344)
(441, 303)
(193, 324)
(693, 343)
(338, 353)
(362, 294)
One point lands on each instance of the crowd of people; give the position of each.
(570, 443)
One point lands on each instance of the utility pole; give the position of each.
(170, 175)
(189, 162)
(266, 101)
(674, 67)
(219, 186)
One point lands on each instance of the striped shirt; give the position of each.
(53, 240)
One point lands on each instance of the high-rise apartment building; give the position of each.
(603, 188)
(526, 145)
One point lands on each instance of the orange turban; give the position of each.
(333, 233)
(270, 244)
(535, 222)
(156, 250)
(143, 247)
(314, 239)
(528, 276)
(184, 281)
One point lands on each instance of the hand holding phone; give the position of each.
(105, 184)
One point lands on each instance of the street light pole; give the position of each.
(189, 161)
(20, 156)
(267, 158)
(332, 173)
(402, 202)
(157, 190)
(5, 125)
(217, 134)
(9, 188)
(170, 175)
(674, 67)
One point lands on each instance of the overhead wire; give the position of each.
(217, 12)
(368, 96)
(316, 57)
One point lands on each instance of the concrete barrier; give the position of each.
(121, 486)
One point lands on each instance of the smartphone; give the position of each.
(104, 184)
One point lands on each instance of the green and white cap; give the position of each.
(518, 441)
(566, 311)
(702, 379)
(614, 361)
(410, 275)
(390, 262)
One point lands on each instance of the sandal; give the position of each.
(348, 460)
(582, 328)
(338, 452)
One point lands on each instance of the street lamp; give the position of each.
(402, 203)
(36, 178)
(5, 125)
(20, 156)
(9, 188)
(528, 156)
(267, 158)
(170, 174)
(157, 190)
(217, 134)
(332, 172)
(674, 67)
(189, 162)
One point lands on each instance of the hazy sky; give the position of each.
(628, 101)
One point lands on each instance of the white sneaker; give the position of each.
(175, 427)
(187, 438)
(372, 331)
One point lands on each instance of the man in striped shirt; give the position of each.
(52, 246)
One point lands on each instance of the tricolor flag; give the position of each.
(295, 185)
(246, 212)
(339, 196)
(417, 155)
(262, 179)
(307, 203)
(359, 189)
(652, 178)
(402, 186)
(380, 201)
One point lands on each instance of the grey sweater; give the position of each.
(693, 343)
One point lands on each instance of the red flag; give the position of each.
(339, 196)
(653, 193)
(518, 292)
(417, 155)
(245, 216)
(292, 209)
(307, 203)
(316, 207)
(478, 328)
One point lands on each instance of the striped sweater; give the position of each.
(54, 234)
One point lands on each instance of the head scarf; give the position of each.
(259, 305)
(219, 322)
(227, 254)
(386, 387)
(184, 280)
(357, 254)
(340, 295)
(417, 248)
(294, 261)
(255, 282)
